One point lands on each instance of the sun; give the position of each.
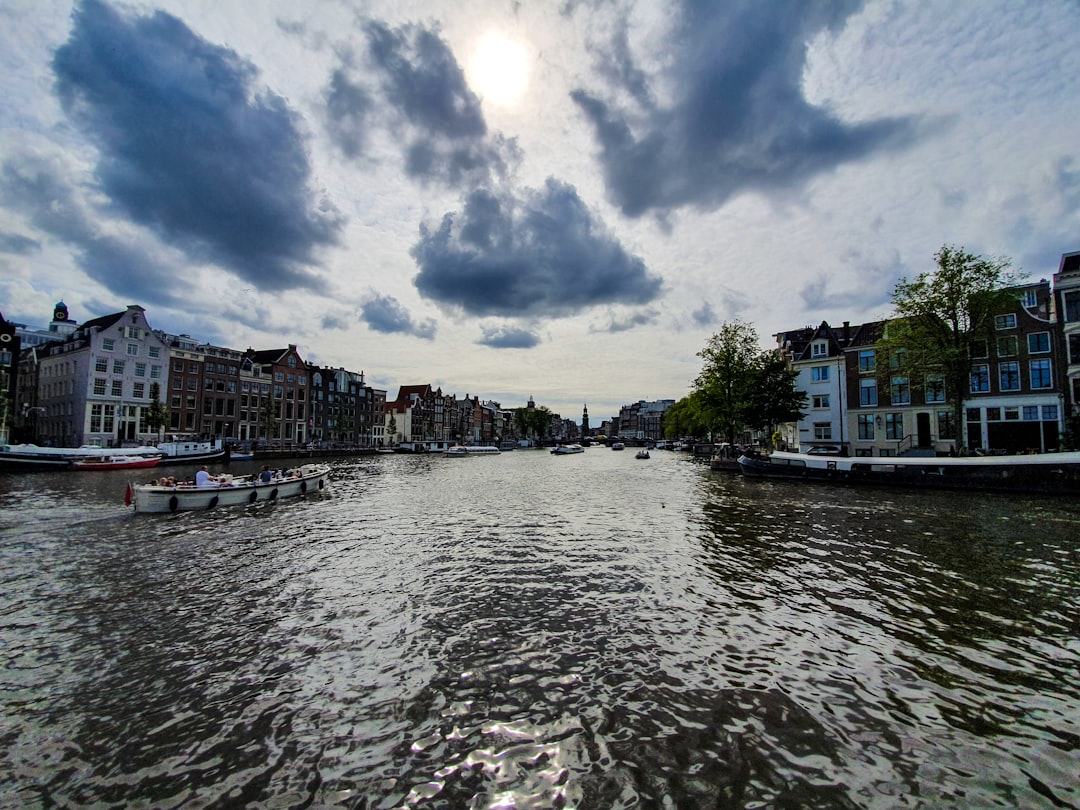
(499, 69)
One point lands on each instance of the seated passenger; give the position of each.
(203, 479)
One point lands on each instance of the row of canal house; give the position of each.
(93, 383)
(1024, 386)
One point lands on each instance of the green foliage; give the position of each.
(740, 386)
(532, 422)
(269, 425)
(157, 414)
(391, 428)
(941, 314)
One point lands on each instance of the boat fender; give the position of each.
(303, 486)
(173, 503)
(254, 496)
(321, 483)
(213, 502)
(273, 494)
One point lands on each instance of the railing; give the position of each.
(905, 444)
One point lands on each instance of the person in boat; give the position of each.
(203, 478)
(265, 475)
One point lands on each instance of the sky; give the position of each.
(556, 200)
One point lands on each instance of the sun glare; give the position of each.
(499, 69)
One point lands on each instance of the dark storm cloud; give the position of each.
(38, 191)
(18, 245)
(738, 120)
(541, 254)
(414, 85)
(384, 313)
(504, 337)
(190, 147)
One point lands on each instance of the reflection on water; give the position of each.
(529, 630)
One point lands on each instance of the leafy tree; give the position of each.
(157, 414)
(391, 428)
(725, 384)
(685, 418)
(268, 417)
(775, 397)
(941, 315)
(532, 422)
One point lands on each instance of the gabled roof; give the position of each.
(104, 322)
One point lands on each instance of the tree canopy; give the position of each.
(941, 315)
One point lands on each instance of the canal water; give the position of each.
(529, 630)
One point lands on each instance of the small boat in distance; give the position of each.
(642, 454)
(471, 450)
(1039, 472)
(567, 449)
(115, 463)
(227, 490)
(618, 446)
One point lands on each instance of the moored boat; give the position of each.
(112, 462)
(226, 491)
(1041, 472)
(32, 458)
(191, 450)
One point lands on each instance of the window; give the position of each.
(1050, 412)
(178, 365)
(133, 349)
(99, 386)
(1012, 414)
(1009, 376)
(140, 369)
(821, 401)
(279, 376)
(945, 425)
(117, 366)
(138, 390)
(868, 392)
(1040, 374)
(302, 379)
(174, 403)
(1006, 346)
(974, 415)
(95, 419)
(866, 426)
(979, 349)
(897, 359)
(1038, 342)
(193, 368)
(822, 430)
(867, 360)
(819, 349)
(1072, 306)
(101, 365)
(192, 384)
(292, 361)
(894, 426)
(1031, 413)
(819, 374)
(107, 344)
(154, 351)
(935, 388)
(900, 391)
(993, 414)
(155, 372)
(1005, 321)
(980, 379)
(290, 378)
(1031, 300)
(117, 388)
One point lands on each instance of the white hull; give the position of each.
(243, 491)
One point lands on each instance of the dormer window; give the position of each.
(819, 349)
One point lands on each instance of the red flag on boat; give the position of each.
(128, 494)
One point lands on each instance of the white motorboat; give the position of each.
(471, 450)
(226, 490)
(567, 449)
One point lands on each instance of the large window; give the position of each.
(900, 391)
(1038, 342)
(894, 426)
(1072, 306)
(1040, 374)
(819, 374)
(980, 378)
(822, 431)
(99, 386)
(118, 367)
(945, 427)
(117, 388)
(935, 388)
(867, 392)
(819, 349)
(1005, 321)
(821, 401)
(1009, 376)
(866, 426)
(101, 365)
(107, 344)
(867, 360)
(1007, 346)
(1074, 348)
(133, 349)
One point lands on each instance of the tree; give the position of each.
(775, 397)
(941, 316)
(532, 421)
(157, 414)
(391, 428)
(268, 417)
(685, 418)
(725, 384)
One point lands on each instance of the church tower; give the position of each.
(585, 420)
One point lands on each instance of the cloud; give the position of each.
(348, 113)
(384, 313)
(627, 322)
(737, 119)
(542, 253)
(37, 189)
(191, 148)
(504, 337)
(18, 245)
